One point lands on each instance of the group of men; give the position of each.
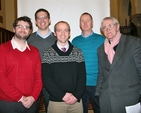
(91, 68)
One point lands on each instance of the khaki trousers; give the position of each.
(62, 107)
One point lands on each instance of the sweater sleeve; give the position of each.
(37, 78)
(100, 75)
(49, 84)
(81, 82)
(7, 89)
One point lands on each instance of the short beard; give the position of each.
(21, 38)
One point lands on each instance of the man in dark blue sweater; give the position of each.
(64, 74)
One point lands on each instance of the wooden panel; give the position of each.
(5, 35)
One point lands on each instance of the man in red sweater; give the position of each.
(20, 71)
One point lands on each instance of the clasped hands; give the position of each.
(27, 101)
(69, 98)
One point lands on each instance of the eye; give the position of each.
(58, 30)
(23, 27)
(42, 18)
(103, 28)
(111, 25)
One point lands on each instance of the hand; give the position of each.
(27, 101)
(71, 100)
(66, 97)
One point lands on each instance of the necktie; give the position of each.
(63, 49)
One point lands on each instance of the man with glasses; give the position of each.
(42, 39)
(20, 72)
(88, 42)
(119, 76)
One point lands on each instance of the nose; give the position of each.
(62, 32)
(23, 29)
(107, 29)
(85, 23)
(42, 19)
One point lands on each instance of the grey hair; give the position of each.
(110, 18)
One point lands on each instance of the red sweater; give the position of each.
(20, 73)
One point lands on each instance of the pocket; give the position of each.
(135, 85)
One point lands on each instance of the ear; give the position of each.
(54, 34)
(49, 21)
(69, 36)
(13, 29)
(30, 31)
(36, 23)
(118, 27)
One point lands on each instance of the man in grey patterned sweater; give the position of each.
(64, 74)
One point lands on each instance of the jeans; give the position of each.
(89, 95)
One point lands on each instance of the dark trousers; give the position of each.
(15, 107)
(89, 95)
(38, 104)
(45, 95)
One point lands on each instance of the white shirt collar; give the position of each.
(66, 46)
(16, 45)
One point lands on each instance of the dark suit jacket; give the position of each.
(119, 83)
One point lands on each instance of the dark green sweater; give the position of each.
(63, 72)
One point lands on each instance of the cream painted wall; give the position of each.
(68, 10)
(9, 11)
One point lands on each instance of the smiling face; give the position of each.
(109, 28)
(62, 32)
(86, 23)
(22, 30)
(42, 20)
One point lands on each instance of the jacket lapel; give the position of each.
(120, 50)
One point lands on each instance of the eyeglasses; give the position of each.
(23, 27)
(42, 18)
(108, 27)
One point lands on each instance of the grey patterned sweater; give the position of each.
(63, 72)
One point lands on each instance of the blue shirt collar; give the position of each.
(87, 35)
(38, 33)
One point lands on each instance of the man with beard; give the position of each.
(20, 73)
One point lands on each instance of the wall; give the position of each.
(138, 6)
(2, 14)
(114, 8)
(8, 12)
(68, 10)
(119, 9)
